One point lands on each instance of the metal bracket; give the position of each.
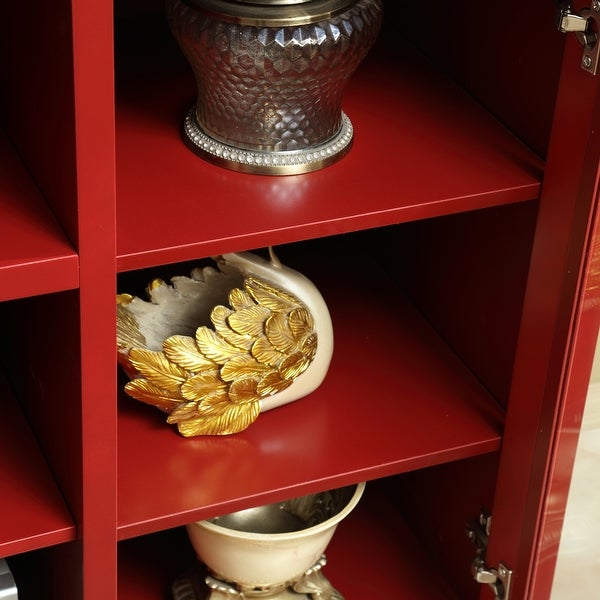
(586, 25)
(500, 579)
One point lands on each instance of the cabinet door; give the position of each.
(546, 394)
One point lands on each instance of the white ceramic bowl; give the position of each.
(272, 544)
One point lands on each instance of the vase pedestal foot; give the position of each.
(268, 162)
(313, 585)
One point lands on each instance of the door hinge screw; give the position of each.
(585, 24)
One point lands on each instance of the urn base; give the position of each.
(313, 585)
(264, 162)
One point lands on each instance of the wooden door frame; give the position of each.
(552, 361)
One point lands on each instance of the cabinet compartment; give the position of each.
(446, 171)
(508, 60)
(33, 511)
(411, 122)
(467, 274)
(407, 534)
(40, 351)
(37, 101)
(35, 255)
(397, 397)
(372, 550)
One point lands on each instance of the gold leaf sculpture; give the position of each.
(216, 379)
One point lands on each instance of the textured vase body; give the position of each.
(271, 78)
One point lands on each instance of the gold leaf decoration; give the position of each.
(239, 299)
(294, 365)
(249, 321)
(219, 318)
(128, 330)
(201, 386)
(182, 350)
(157, 368)
(144, 391)
(212, 383)
(242, 367)
(309, 346)
(273, 383)
(270, 297)
(232, 418)
(279, 334)
(243, 391)
(185, 411)
(266, 353)
(214, 346)
(300, 322)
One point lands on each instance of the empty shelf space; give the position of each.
(33, 512)
(35, 255)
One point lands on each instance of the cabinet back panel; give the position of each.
(507, 55)
(37, 98)
(42, 355)
(467, 274)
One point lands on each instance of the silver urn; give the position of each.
(270, 77)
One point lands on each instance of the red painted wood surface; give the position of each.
(35, 255)
(33, 513)
(36, 75)
(41, 354)
(94, 129)
(373, 552)
(423, 149)
(173, 206)
(438, 503)
(493, 51)
(467, 274)
(39, 116)
(569, 415)
(396, 398)
(545, 346)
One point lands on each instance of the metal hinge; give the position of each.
(499, 579)
(585, 25)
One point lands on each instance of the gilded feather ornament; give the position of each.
(216, 349)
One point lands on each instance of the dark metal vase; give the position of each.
(271, 76)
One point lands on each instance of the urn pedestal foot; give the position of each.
(313, 585)
(265, 162)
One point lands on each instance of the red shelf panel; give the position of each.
(35, 255)
(32, 511)
(422, 148)
(396, 398)
(372, 550)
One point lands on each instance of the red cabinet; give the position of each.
(455, 246)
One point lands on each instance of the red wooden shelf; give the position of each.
(372, 550)
(173, 206)
(396, 398)
(35, 255)
(32, 511)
